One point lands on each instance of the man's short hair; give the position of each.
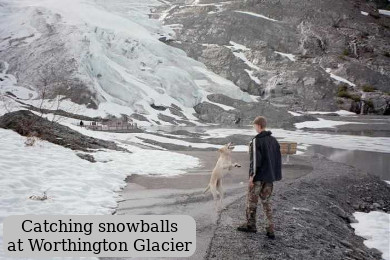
(261, 121)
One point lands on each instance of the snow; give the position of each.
(237, 47)
(165, 14)
(75, 186)
(258, 15)
(253, 77)
(118, 41)
(322, 123)
(339, 112)
(384, 12)
(270, 85)
(238, 51)
(338, 78)
(288, 55)
(374, 227)
(295, 113)
(224, 107)
(364, 13)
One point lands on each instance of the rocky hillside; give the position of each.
(175, 62)
(306, 55)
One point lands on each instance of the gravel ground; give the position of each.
(312, 216)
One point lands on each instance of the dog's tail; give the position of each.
(207, 188)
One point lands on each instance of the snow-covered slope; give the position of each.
(104, 54)
(73, 185)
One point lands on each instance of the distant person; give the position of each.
(81, 123)
(265, 168)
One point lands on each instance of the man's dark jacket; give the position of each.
(265, 157)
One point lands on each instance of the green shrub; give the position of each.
(368, 88)
(343, 88)
(346, 52)
(343, 94)
(342, 91)
(369, 103)
(341, 57)
(355, 98)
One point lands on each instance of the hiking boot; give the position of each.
(270, 235)
(246, 228)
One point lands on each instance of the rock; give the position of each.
(351, 219)
(339, 212)
(244, 112)
(139, 117)
(317, 41)
(346, 243)
(27, 123)
(160, 108)
(166, 118)
(87, 157)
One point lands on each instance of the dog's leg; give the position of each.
(221, 194)
(215, 192)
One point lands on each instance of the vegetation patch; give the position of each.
(368, 88)
(344, 93)
(369, 103)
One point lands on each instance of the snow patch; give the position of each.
(364, 13)
(237, 47)
(252, 76)
(384, 12)
(288, 55)
(338, 78)
(224, 107)
(374, 227)
(238, 51)
(295, 113)
(258, 15)
(322, 123)
(339, 112)
(75, 186)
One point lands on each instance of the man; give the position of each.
(265, 168)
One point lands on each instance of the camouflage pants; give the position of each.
(264, 191)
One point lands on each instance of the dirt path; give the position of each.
(183, 194)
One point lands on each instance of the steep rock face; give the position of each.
(294, 53)
(239, 112)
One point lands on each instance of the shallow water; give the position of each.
(372, 162)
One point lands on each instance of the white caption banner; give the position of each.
(99, 236)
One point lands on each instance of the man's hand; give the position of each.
(251, 184)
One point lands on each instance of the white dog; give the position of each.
(224, 164)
